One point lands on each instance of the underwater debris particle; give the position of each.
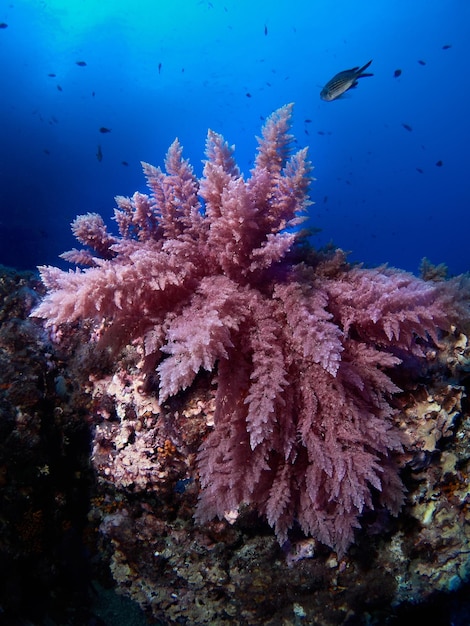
(418, 169)
(125, 163)
(80, 63)
(421, 62)
(407, 127)
(99, 154)
(265, 29)
(159, 68)
(103, 129)
(397, 73)
(59, 88)
(447, 46)
(439, 163)
(52, 75)
(248, 94)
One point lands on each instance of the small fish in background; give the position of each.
(397, 73)
(447, 46)
(99, 154)
(343, 81)
(52, 75)
(80, 63)
(59, 88)
(125, 163)
(265, 29)
(3, 25)
(439, 164)
(159, 68)
(421, 62)
(104, 130)
(418, 169)
(407, 127)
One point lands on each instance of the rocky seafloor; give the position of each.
(98, 485)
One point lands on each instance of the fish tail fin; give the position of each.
(364, 67)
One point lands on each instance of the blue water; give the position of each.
(156, 70)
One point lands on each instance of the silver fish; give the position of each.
(343, 81)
